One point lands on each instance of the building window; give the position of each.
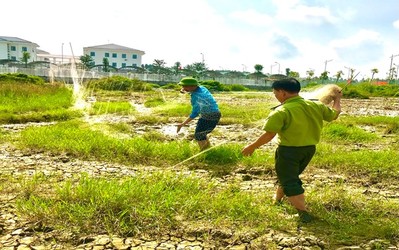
(92, 53)
(114, 55)
(106, 54)
(13, 48)
(123, 55)
(134, 56)
(114, 65)
(134, 64)
(13, 58)
(123, 65)
(25, 49)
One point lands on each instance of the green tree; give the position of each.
(158, 66)
(105, 64)
(197, 69)
(258, 71)
(176, 68)
(373, 72)
(324, 76)
(25, 58)
(87, 61)
(294, 74)
(310, 74)
(338, 75)
(258, 68)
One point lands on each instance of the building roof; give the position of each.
(13, 39)
(112, 46)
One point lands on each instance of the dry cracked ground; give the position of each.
(19, 233)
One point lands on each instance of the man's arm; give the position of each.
(337, 103)
(263, 139)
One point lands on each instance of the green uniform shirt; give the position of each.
(298, 122)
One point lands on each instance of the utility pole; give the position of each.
(203, 58)
(349, 71)
(62, 53)
(325, 64)
(390, 67)
(278, 67)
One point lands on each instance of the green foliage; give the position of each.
(112, 108)
(355, 161)
(82, 141)
(350, 216)
(354, 93)
(154, 102)
(362, 90)
(235, 87)
(20, 103)
(148, 203)
(118, 83)
(173, 86)
(20, 78)
(348, 132)
(254, 112)
(212, 85)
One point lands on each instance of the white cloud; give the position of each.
(294, 11)
(252, 17)
(396, 24)
(357, 38)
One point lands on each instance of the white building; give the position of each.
(118, 56)
(56, 59)
(12, 48)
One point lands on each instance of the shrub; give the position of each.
(119, 83)
(20, 78)
(212, 85)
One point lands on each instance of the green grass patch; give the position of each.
(149, 203)
(348, 217)
(20, 98)
(381, 163)
(154, 102)
(80, 140)
(121, 108)
(347, 132)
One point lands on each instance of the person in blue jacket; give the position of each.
(205, 107)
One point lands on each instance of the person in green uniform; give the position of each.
(297, 123)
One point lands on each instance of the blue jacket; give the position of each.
(202, 102)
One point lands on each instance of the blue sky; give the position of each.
(227, 34)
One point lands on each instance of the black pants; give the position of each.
(290, 162)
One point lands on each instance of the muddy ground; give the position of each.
(17, 232)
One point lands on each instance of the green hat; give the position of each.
(188, 81)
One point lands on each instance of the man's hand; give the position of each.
(179, 127)
(248, 150)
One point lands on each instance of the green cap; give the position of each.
(188, 81)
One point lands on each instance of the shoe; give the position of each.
(304, 216)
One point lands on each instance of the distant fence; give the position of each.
(68, 75)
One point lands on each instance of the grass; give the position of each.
(80, 140)
(121, 108)
(166, 201)
(362, 149)
(148, 202)
(347, 215)
(21, 103)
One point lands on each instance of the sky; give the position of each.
(300, 35)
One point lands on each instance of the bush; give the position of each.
(236, 87)
(20, 78)
(368, 89)
(173, 86)
(119, 83)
